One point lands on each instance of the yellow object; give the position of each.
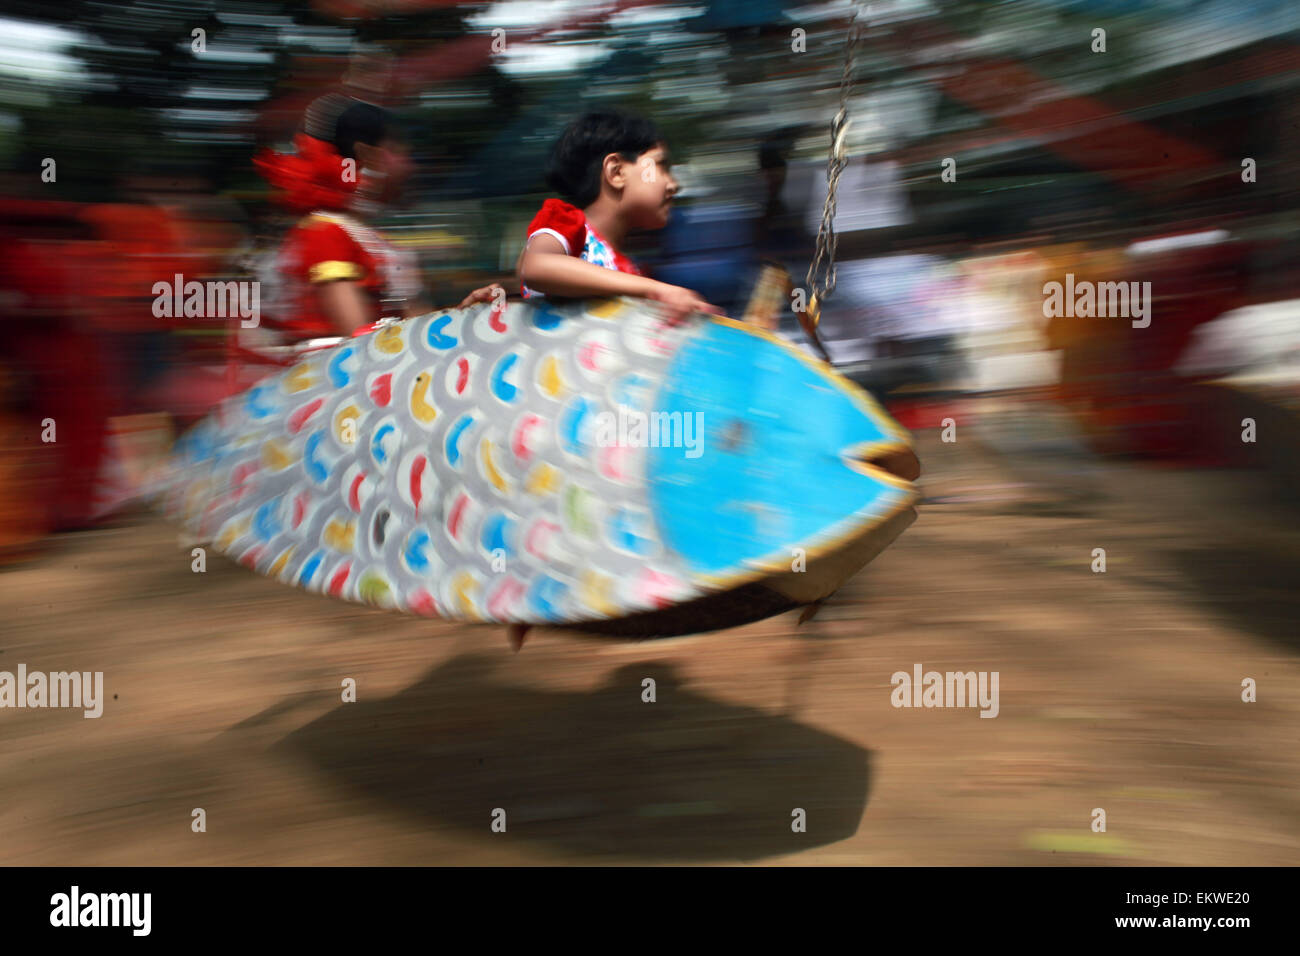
(334, 270)
(275, 457)
(461, 586)
(542, 480)
(813, 313)
(490, 468)
(551, 381)
(340, 536)
(299, 378)
(768, 298)
(420, 408)
(280, 562)
(389, 340)
(349, 414)
(596, 591)
(607, 310)
(232, 533)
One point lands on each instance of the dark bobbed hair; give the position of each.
(574, 170)
(343, 122)
(361, 123)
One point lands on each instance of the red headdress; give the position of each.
(313, 177)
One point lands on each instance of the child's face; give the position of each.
(648, 189)
(392, 159)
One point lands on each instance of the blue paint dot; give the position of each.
(415, 557)
(309, 568)
(494, 534)
(546, 318)
(453, 438)
(435, 337)
(571, 422)
(500, 387)
(339, 377)
(545, 596)
(317, 471)
(377, 443)
(254, 403)
(265, 524)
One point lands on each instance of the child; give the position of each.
(612, 170)
(338, 274)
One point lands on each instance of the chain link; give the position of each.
(821, 274)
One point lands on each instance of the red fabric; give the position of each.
(310, 178)
(314, 241)
(570, 222)
(566, 219)
(623, 263)
(136, 246)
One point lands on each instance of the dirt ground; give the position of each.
(1118, 690)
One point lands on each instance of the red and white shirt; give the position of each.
(329, 246)
(569, 225)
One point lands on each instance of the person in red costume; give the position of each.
(614, 174)
(337, 274)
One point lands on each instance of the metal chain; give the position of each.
(824, 257)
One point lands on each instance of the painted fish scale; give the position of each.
(449, 465)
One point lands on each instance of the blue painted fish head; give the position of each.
(784, 455)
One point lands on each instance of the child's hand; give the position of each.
(488, 293)
(679, 303)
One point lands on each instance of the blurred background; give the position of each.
(1169, 154)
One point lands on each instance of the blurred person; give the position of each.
(60, 370)
(614, 173)
(335, 274)
(1025, 410)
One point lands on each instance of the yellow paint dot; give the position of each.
(550, 380)
(461, 587)
(607, 309)
(389, 340)
(542, 480)
(340, 536)
(420, 408)
(299, 378)
(596, 591)
(280, 562)
(275, 457)
(232, 533)
(347, 432)
(494, 476)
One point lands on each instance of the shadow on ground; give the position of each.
(598, 773)
(1255, 592)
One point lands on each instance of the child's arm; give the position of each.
(345, 305)
(489, 293)
(546, 267)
